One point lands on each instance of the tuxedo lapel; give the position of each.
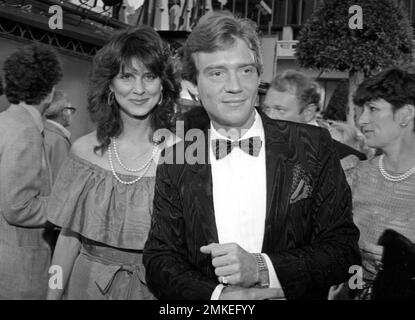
(279, 176)
(200, 184)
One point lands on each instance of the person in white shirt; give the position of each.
(265, 211)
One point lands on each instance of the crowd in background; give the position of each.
(119, 226)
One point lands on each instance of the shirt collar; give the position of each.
(61, 127)
(257, 129)
(313, 123)
(35, 113)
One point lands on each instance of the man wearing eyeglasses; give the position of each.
(57, 137)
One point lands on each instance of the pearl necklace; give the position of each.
(114, 146)
(392, 178)
(145, 167)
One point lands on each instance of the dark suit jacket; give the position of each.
(309, 234)
(343, 150)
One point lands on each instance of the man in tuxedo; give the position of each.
(295, 97)
(267, 212)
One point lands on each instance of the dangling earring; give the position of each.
(110, 98)
(161, 99)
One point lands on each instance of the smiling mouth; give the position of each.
(139, 102)
(234, 102)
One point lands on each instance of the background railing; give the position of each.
(270, 15)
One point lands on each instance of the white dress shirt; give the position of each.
(239, 197)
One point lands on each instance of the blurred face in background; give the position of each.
(284, 105)
(67, 115)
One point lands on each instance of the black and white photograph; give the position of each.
(182, 152)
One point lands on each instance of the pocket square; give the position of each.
(301, 185)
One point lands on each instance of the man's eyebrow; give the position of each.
(221, 66)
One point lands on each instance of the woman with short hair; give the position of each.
(383, 187)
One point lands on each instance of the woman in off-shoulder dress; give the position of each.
(102, 198)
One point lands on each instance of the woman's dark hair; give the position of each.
(1, 87)
(142, 43)
(395, 85)
(31, 73)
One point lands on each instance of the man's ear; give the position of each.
(406, 114)
(190, 88)
(309, 112)
(195, 92)
(48, 99)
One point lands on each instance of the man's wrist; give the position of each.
(263, 274)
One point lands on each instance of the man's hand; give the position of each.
(240, 293)
(231, 261)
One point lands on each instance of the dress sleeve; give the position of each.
(86, 199)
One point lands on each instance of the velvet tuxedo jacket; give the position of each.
(309, 234)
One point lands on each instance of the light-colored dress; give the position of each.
(379, 204)
(113, 220)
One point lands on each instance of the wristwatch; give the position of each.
(263, 279)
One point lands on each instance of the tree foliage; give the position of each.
(326, 41)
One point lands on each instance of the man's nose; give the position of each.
(233, 83)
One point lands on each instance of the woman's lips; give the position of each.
(139, 101)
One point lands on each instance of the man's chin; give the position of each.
(235, 124)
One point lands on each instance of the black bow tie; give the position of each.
(223, 147)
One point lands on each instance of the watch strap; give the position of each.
(263, 280)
